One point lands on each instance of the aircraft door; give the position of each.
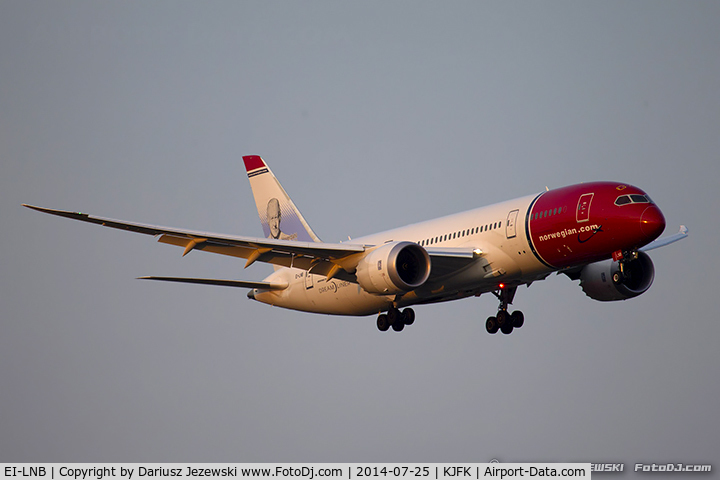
(510, 229)
(583, 208)
(308, 280)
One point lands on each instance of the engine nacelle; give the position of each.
(597, 282)
(396, 267)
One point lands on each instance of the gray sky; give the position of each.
(372, 115)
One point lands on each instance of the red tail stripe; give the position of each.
(252, 162)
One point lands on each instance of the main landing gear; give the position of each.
(504, 321)
(395, 319)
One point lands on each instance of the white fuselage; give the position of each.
(498, 230)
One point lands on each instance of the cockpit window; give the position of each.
(626, 199)
(623, 200)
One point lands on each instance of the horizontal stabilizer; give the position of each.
(224, 283)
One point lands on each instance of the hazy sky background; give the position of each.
(372, 115)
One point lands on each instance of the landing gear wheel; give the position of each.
(517, 319)
(398, 325)
(507, 328)
(491, 325)
(408, 316)
(505, 321)
(502, 317)
(382, 323)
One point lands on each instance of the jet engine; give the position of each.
(395, 267)
(603, 280)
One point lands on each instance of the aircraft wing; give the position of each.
(321, 257)
(450, 260)
(661, 242)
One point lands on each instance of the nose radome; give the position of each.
(652, 222)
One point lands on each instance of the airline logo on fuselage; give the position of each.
(592, 229)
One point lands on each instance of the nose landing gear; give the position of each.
(504, 321)
(624, 273)
(395, 319)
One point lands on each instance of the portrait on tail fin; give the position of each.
(274, 216)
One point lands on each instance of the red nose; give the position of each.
(652, 222)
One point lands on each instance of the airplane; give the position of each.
(596, 232)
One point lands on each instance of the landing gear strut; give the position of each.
(624, 274)
(395, 319)
(504, 321)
